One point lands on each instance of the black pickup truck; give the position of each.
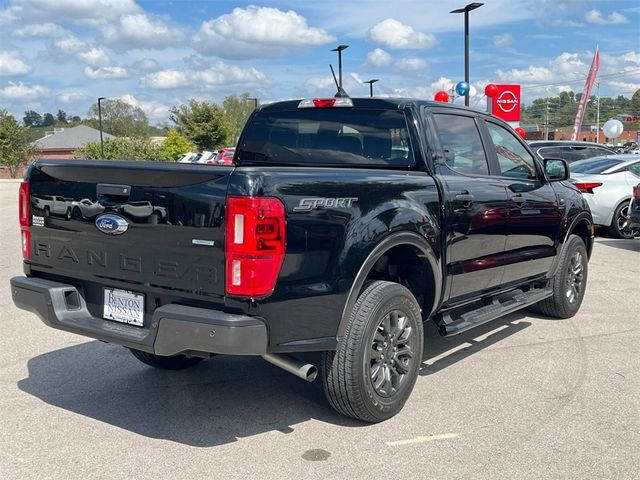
(342, 226)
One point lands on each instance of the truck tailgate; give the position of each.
(173, 237)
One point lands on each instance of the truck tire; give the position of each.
(617, 228)
(175, 362)
(372, 373)
(569, 282)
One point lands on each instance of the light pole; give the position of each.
(100, 123)
(466, 9)
(371, 82)
(255, 102)
(339, 49)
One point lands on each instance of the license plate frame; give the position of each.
(123, 306)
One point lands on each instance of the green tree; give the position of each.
(48, 120)
(635, 102)
(237, 110)
(175, 145)
(32, 119)
(15, 149)
(61, 116)
(122, 149)
(121, 119)
(204, 123)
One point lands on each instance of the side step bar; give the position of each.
(498, 307)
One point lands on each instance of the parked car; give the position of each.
(633, 217)
(607, 183)
(568, 150)
(343, 225)
(53, 205)
(225, 156)
(207, 157)
(85, 208)
(188, 157)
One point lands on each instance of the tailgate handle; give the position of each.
(109, 190)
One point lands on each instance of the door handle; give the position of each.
(519, 199)
(465, 197)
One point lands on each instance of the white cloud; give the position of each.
(96, 57)
(217, 75)
(70, 44)
(20, 91)
(625, 87)
(503, 41)
(378, 58)
(106, 73)
(146, 65)
(442, 83)
(71, 96)
(47, 29)
(152, 108)
(558, 22)
(11, 64)
(256, 32)
(80, 12)
(412, 64)
(320, 83)
(140, 31)
(396, 35)
(595, 16)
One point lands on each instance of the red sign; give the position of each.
(506, 103)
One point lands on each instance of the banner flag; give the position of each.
(588, 85)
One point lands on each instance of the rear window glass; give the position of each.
(593, 165)
(328, 136)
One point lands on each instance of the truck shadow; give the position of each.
(441, 352)
(219, 401)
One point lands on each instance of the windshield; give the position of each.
(594, 165)
(328, 136)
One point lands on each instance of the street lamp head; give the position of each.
(339, 48)
(101, 98)
(467, 8)
(373, 80)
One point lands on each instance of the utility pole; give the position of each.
(100, 123)
(546, 122)
(598, 112)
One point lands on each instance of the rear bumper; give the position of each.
(173, 329)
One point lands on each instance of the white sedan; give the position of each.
(607, 183)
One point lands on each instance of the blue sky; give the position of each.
(156, 54)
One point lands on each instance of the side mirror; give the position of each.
(557, 169)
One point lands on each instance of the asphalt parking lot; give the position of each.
(521, 397)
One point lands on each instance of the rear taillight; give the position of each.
(587, 187)
(255, 243)
(23, 217)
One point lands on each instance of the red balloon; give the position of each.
(441, 96)
(520, 131)
(491, 90)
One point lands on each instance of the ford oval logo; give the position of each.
(112, 224)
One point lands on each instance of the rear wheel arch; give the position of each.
(394, 247)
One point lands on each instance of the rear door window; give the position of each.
(328, 136)
(462, 144)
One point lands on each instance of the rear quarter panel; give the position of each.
(326, 246)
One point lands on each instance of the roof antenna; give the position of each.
(341, 92)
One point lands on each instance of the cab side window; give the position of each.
(513, 159)
(462, 144)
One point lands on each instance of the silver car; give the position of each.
(606, 183)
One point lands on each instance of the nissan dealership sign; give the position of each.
(506, 103)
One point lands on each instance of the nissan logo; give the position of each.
(111, 224)
(507, 101)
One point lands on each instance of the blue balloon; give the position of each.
(462, 88)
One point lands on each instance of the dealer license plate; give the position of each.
(123, 306)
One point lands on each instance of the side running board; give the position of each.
(499, 306)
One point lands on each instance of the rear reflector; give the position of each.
(24, 211)
(587, 187)
(325, 103)
(255, 244)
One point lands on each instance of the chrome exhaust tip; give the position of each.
(302, 370)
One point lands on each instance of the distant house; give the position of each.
(62, 142)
